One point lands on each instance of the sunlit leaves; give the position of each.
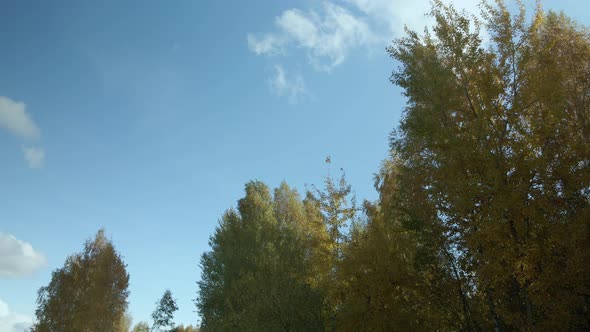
(88, 294)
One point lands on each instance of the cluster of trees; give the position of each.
(483, 218)
(272, 258)
(89, 294)
(482, 221)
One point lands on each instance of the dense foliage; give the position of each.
(493, 154)
(268, 260)
(483, 220)
(88, 294)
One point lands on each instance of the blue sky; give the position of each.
(147, 118)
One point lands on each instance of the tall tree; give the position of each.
(89, 293)
(494, 162)
(388, 282)
(256, 275)
(163, 315)
(332, 209)
(337, 205)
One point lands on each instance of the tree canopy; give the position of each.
(482, 221)
(89, 293)
(493, 155)
(483, 217)
(256, 276)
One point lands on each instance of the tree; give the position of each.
(337, 206)
(493, 155)
(164, 312)
(332, 211)
(88, 294)
(256, 275)
(387, 283)
(141, 327)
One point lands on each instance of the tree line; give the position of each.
(89, 293)
(482, 221)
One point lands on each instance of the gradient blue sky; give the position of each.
(147, 118)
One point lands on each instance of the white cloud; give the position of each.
(342, 26)
(34, 156)
(291, 86)
(390, 16)
(15, 119)
(18, 258)
(268, 44)
(328, 37)
(11, 321)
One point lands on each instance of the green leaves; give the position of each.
(255, 276)
(88, 294)
(164, 312)
(489, 150)
(484, 208)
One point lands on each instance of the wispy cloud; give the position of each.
(34, 156)
(390, 17)
(15, 119)
(269, 44)
(328, 36)
(11, 321)
(338, 28)
(286, 84)
(18, 258)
